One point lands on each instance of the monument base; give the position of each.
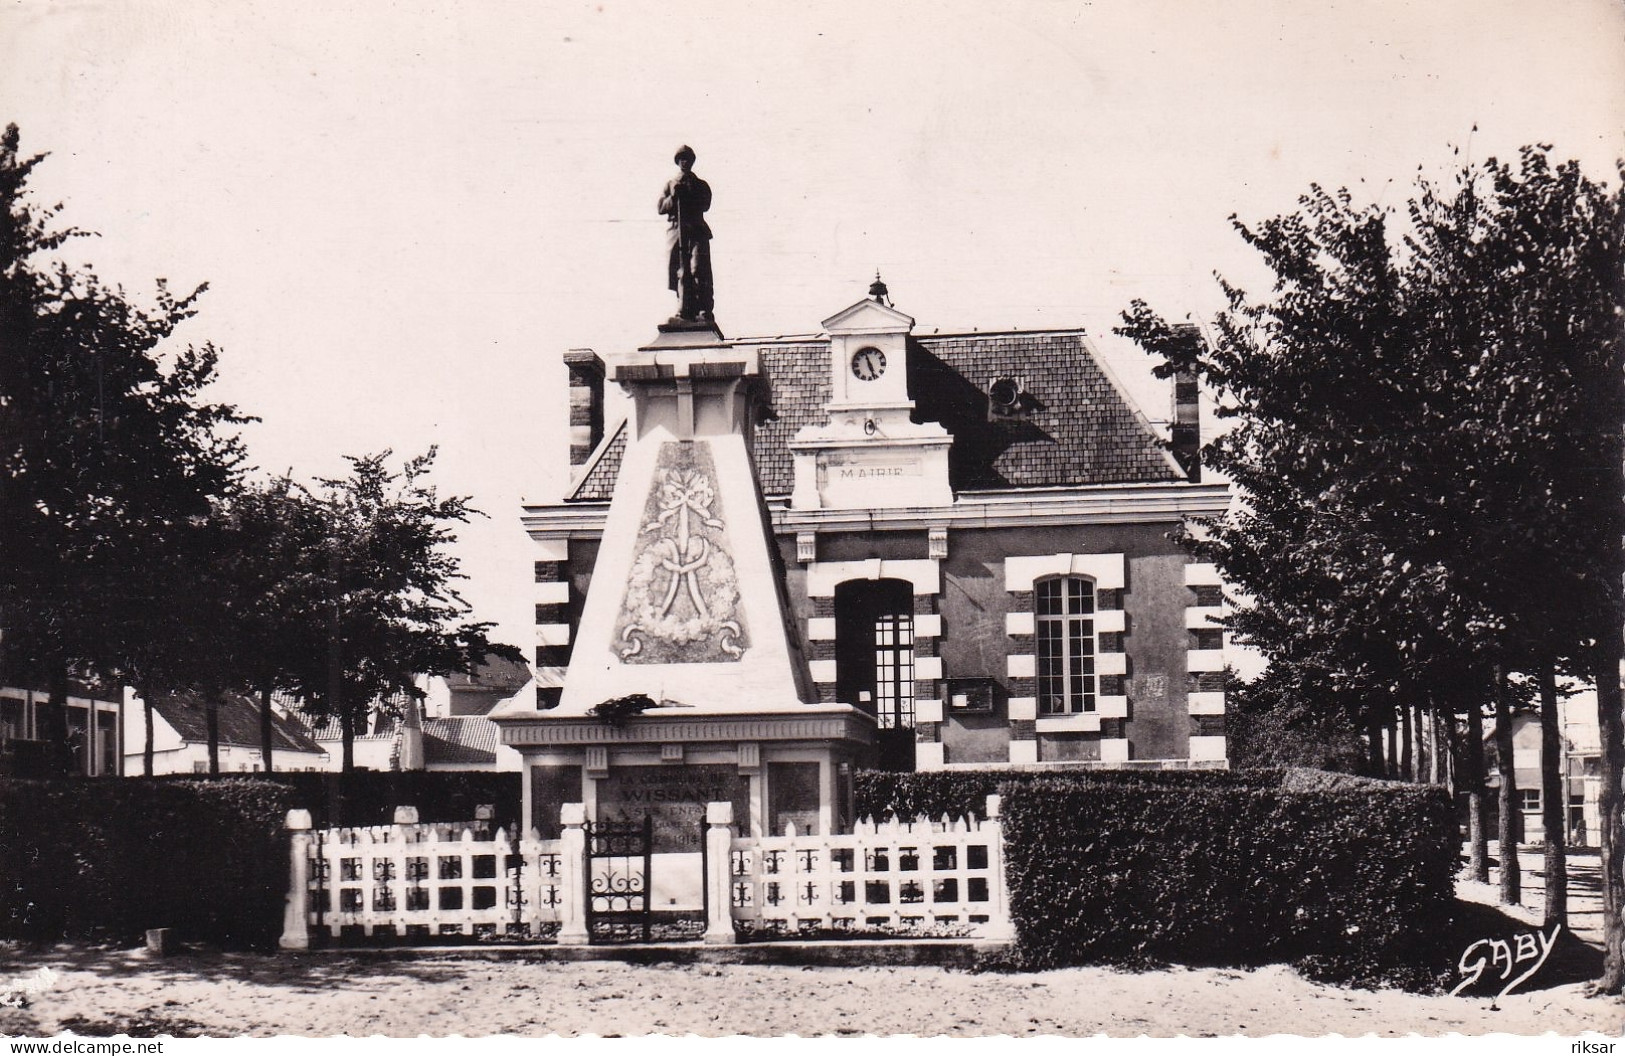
(686, 333)
(777, 769)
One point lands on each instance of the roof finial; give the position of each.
(878, 291)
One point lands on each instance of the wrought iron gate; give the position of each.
(619, 854)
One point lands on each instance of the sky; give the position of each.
(407, 211)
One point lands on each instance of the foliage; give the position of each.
(381, 591)
(963, 793)
(616, 710)
(1268, 728)
(108, 453)
(1350, 878)
(369, 797)
(1426, 431)
(105, 861)
(1353, 885)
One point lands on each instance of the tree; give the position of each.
(1428, 447)
(267, 564)
(1268, 727)
(384, 596)
(107, 449)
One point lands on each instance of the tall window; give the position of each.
(874, 649)
(1065, 628)
(894, 670)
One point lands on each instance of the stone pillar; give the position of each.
(573, 909)
(1000, 928)
(296, 916)
(719, 928)
(826, 797)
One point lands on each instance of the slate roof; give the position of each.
(380, 724)
(460, 740)
(1073, 425)
(239, 722)
(494, 675)
(599, 480)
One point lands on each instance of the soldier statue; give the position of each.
(684, 202)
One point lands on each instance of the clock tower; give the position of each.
(868, 454)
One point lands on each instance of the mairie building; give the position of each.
(970, 539)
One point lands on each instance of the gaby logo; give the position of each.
(1486, 954)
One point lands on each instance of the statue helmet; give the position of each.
(684, 151)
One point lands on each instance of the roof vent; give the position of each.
(1005, 398)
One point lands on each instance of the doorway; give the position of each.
(874, 661)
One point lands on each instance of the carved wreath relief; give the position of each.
(682, 597)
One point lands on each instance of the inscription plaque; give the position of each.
(675, 796)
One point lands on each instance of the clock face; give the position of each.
(868, 364)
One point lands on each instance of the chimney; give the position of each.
(1186, 433)
(586, 403)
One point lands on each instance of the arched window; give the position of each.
(1065, 628)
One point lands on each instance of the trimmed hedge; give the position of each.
(369, 797)
(1352, 885)
(1350, 879)
(106, 860)
(962, 793)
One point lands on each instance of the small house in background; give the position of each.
(93, 731)
(457, 735)
(180, 727)
(1580, 747)
(447, 729)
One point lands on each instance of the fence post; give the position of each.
(573, 853)
(719, 918)
(999, 928)
(296, 916)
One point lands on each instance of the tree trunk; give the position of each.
(1611, 730)
(1507, 831)
(347, 733)
(267, 754)
(1610, 646)
(1553, 801)
(1373, 735)
(63, 759)
(1472, 766)
(1424, 743)
(1390, 730)
(1441, 746)
(1407, 760)
(211, 709)
(146, 746)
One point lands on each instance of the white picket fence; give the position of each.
(415, 880)
(433, 880)
(943, 876)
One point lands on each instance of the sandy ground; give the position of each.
(100, 992)
(322, 996)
